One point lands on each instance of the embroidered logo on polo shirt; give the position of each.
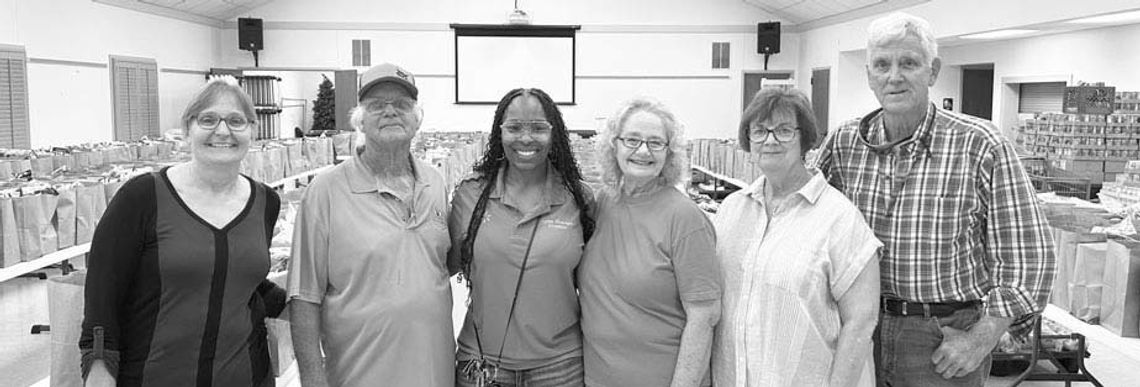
(558, 224)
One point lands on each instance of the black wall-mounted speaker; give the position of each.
(768, 38)
(249, 34)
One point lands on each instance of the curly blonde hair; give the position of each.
(676, 161)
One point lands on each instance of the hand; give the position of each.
(99, 377)
(960, 353)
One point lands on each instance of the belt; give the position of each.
(897, 307)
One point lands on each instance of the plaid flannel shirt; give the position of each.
(954, 208)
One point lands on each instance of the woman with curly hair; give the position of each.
(518, 226)
(651, 285)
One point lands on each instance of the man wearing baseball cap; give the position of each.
(368, 280)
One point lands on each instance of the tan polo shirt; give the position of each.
(545, 329)
(376, 266)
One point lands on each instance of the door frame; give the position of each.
(744, 99)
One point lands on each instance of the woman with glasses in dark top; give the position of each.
(518, 227)
(651, 286)
(176, 293)
(801, 272)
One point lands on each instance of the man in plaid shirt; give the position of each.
(967, 254)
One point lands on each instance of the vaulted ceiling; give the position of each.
(808, 14)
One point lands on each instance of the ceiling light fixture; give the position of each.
(999, 34)
(1113, 18)
(518, 16)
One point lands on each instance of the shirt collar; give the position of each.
(811, 191)
(554, 194)
(361, 179)
(872, 132)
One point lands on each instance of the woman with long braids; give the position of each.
(518, 226)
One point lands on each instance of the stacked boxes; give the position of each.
(1090, 145)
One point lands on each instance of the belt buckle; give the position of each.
(903, 306)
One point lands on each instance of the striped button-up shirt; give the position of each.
(954, 208)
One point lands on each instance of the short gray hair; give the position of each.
(676, 161)
(899, 25)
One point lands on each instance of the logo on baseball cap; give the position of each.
(388, 72)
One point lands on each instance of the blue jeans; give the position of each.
(565, 373)
(904, 345)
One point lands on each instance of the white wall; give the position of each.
(71, 103)
(840, 46)
(657, 48)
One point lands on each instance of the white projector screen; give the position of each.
(489, 62)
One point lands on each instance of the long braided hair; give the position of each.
(560, 155)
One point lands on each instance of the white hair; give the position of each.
(676, 161)
(356, 121)
(899, 25)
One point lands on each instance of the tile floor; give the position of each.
(25, 358)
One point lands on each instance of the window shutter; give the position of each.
(14, 121)
(136, 110)
(1041, 97)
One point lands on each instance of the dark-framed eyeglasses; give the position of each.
(235, 122)
(402, 105)
(517, 128)
(783, 133)
(654, 145)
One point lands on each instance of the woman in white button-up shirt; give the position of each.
(801, 295)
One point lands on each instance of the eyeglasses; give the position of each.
(783, 133)
(517, 128)
(402, 105)
(634, 143)
(210, 121)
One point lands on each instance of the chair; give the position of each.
(1070, 363)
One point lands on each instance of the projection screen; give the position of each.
(493, 59)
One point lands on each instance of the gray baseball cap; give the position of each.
(387, 72)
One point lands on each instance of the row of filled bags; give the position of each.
(43, 164)
(725, 158)
(272, 160)
(41, 215)
(52, 219)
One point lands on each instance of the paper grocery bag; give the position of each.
(98, 158)
(253, 165)
(1084, 302)
(274, 164)
(1066, 252)
(42, 166)
(63, 161)
(295, 153)
(33, 220)
(1120, 302)
(1088, 266)
(9, 234)
(148, 151)
(6, 169)
(64, 220)
(65, 313)
(165, 149)
(280, 341)
(342, 144)
(90, 202)
(311, 148)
